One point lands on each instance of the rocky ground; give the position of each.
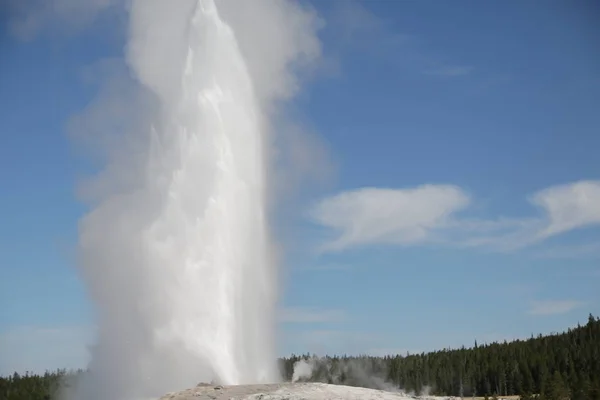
(286, 391)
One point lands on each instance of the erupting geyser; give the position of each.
(176, 249)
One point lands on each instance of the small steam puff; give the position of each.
(303, 369)
(368, 373)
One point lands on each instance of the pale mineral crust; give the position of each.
(287, 391)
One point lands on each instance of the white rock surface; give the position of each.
(288, 391)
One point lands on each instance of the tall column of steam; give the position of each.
(177, 252)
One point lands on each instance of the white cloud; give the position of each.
(310, 315)
(553, 307)
(37, 349)
(569, 206)
(428, 213)
(563, 208)
(400, 216)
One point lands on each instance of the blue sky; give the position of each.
(461, 199)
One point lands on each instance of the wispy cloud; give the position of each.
(351, 18)
(354, 26)
(569, 206)
(29, 17)
(571, 251)
(430, 213)
(450, 71)
(351, 22)
(311, 315)
(554, 307)
(400, 216)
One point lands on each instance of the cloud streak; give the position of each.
(399, 216)
(573, 251)
(432, 213)
(28, 18)
(554, 307)
(569, 206)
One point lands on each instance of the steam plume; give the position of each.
(176, 249)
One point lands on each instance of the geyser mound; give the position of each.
(291, 391)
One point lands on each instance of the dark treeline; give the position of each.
(559, 366)
(562, 366)
(34, 387)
